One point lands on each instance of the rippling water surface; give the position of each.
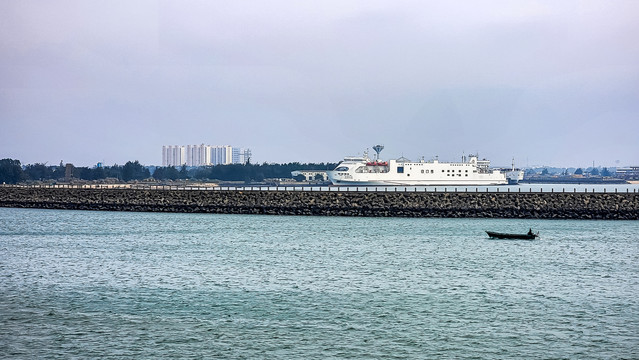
(148, 285)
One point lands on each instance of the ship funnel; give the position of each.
(378, 149)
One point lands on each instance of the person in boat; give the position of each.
(530, 231)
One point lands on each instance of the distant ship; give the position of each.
(362, 171)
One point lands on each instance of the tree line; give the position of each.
(255, 172)
(13, 172)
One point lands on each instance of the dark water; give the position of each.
(147, 285)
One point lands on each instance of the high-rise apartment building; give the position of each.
(173, 155)
(198, 155)
(203, 155)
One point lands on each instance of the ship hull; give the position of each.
(418, 183)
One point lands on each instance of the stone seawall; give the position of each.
(622, 206)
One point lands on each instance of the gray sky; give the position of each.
(546, 82)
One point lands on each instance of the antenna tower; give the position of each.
(247, 156)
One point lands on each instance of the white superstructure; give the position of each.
(354, 170)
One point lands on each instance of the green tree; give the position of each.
(172, 173)
(544, 171)
(99, 173)
(83, 173)
(58, 172)
(166, 173)
(259, 176)
(594, 172)
(114, 171)
(184, 174)
(38, 172)
(605, 172)
(254, 172)
(159, 173)
(134, 171)
(579, 171)
(86, 173)
(10, 171)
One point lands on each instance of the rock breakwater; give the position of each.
(621, 206)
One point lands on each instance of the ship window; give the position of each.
(422, 171)
(432, 171)
(400, 169)
(466, 174)
(342, 168)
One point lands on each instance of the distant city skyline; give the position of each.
(203, 155)
(549, 83)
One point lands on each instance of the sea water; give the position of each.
(80, 284)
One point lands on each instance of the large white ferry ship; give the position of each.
(362, 171)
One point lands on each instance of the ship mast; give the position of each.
(378, 149)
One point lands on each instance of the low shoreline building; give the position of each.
(628, 173)
(311, 175)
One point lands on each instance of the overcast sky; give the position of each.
(546, 82)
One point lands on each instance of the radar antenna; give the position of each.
(378, 149)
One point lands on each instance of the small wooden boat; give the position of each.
(496, 235)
